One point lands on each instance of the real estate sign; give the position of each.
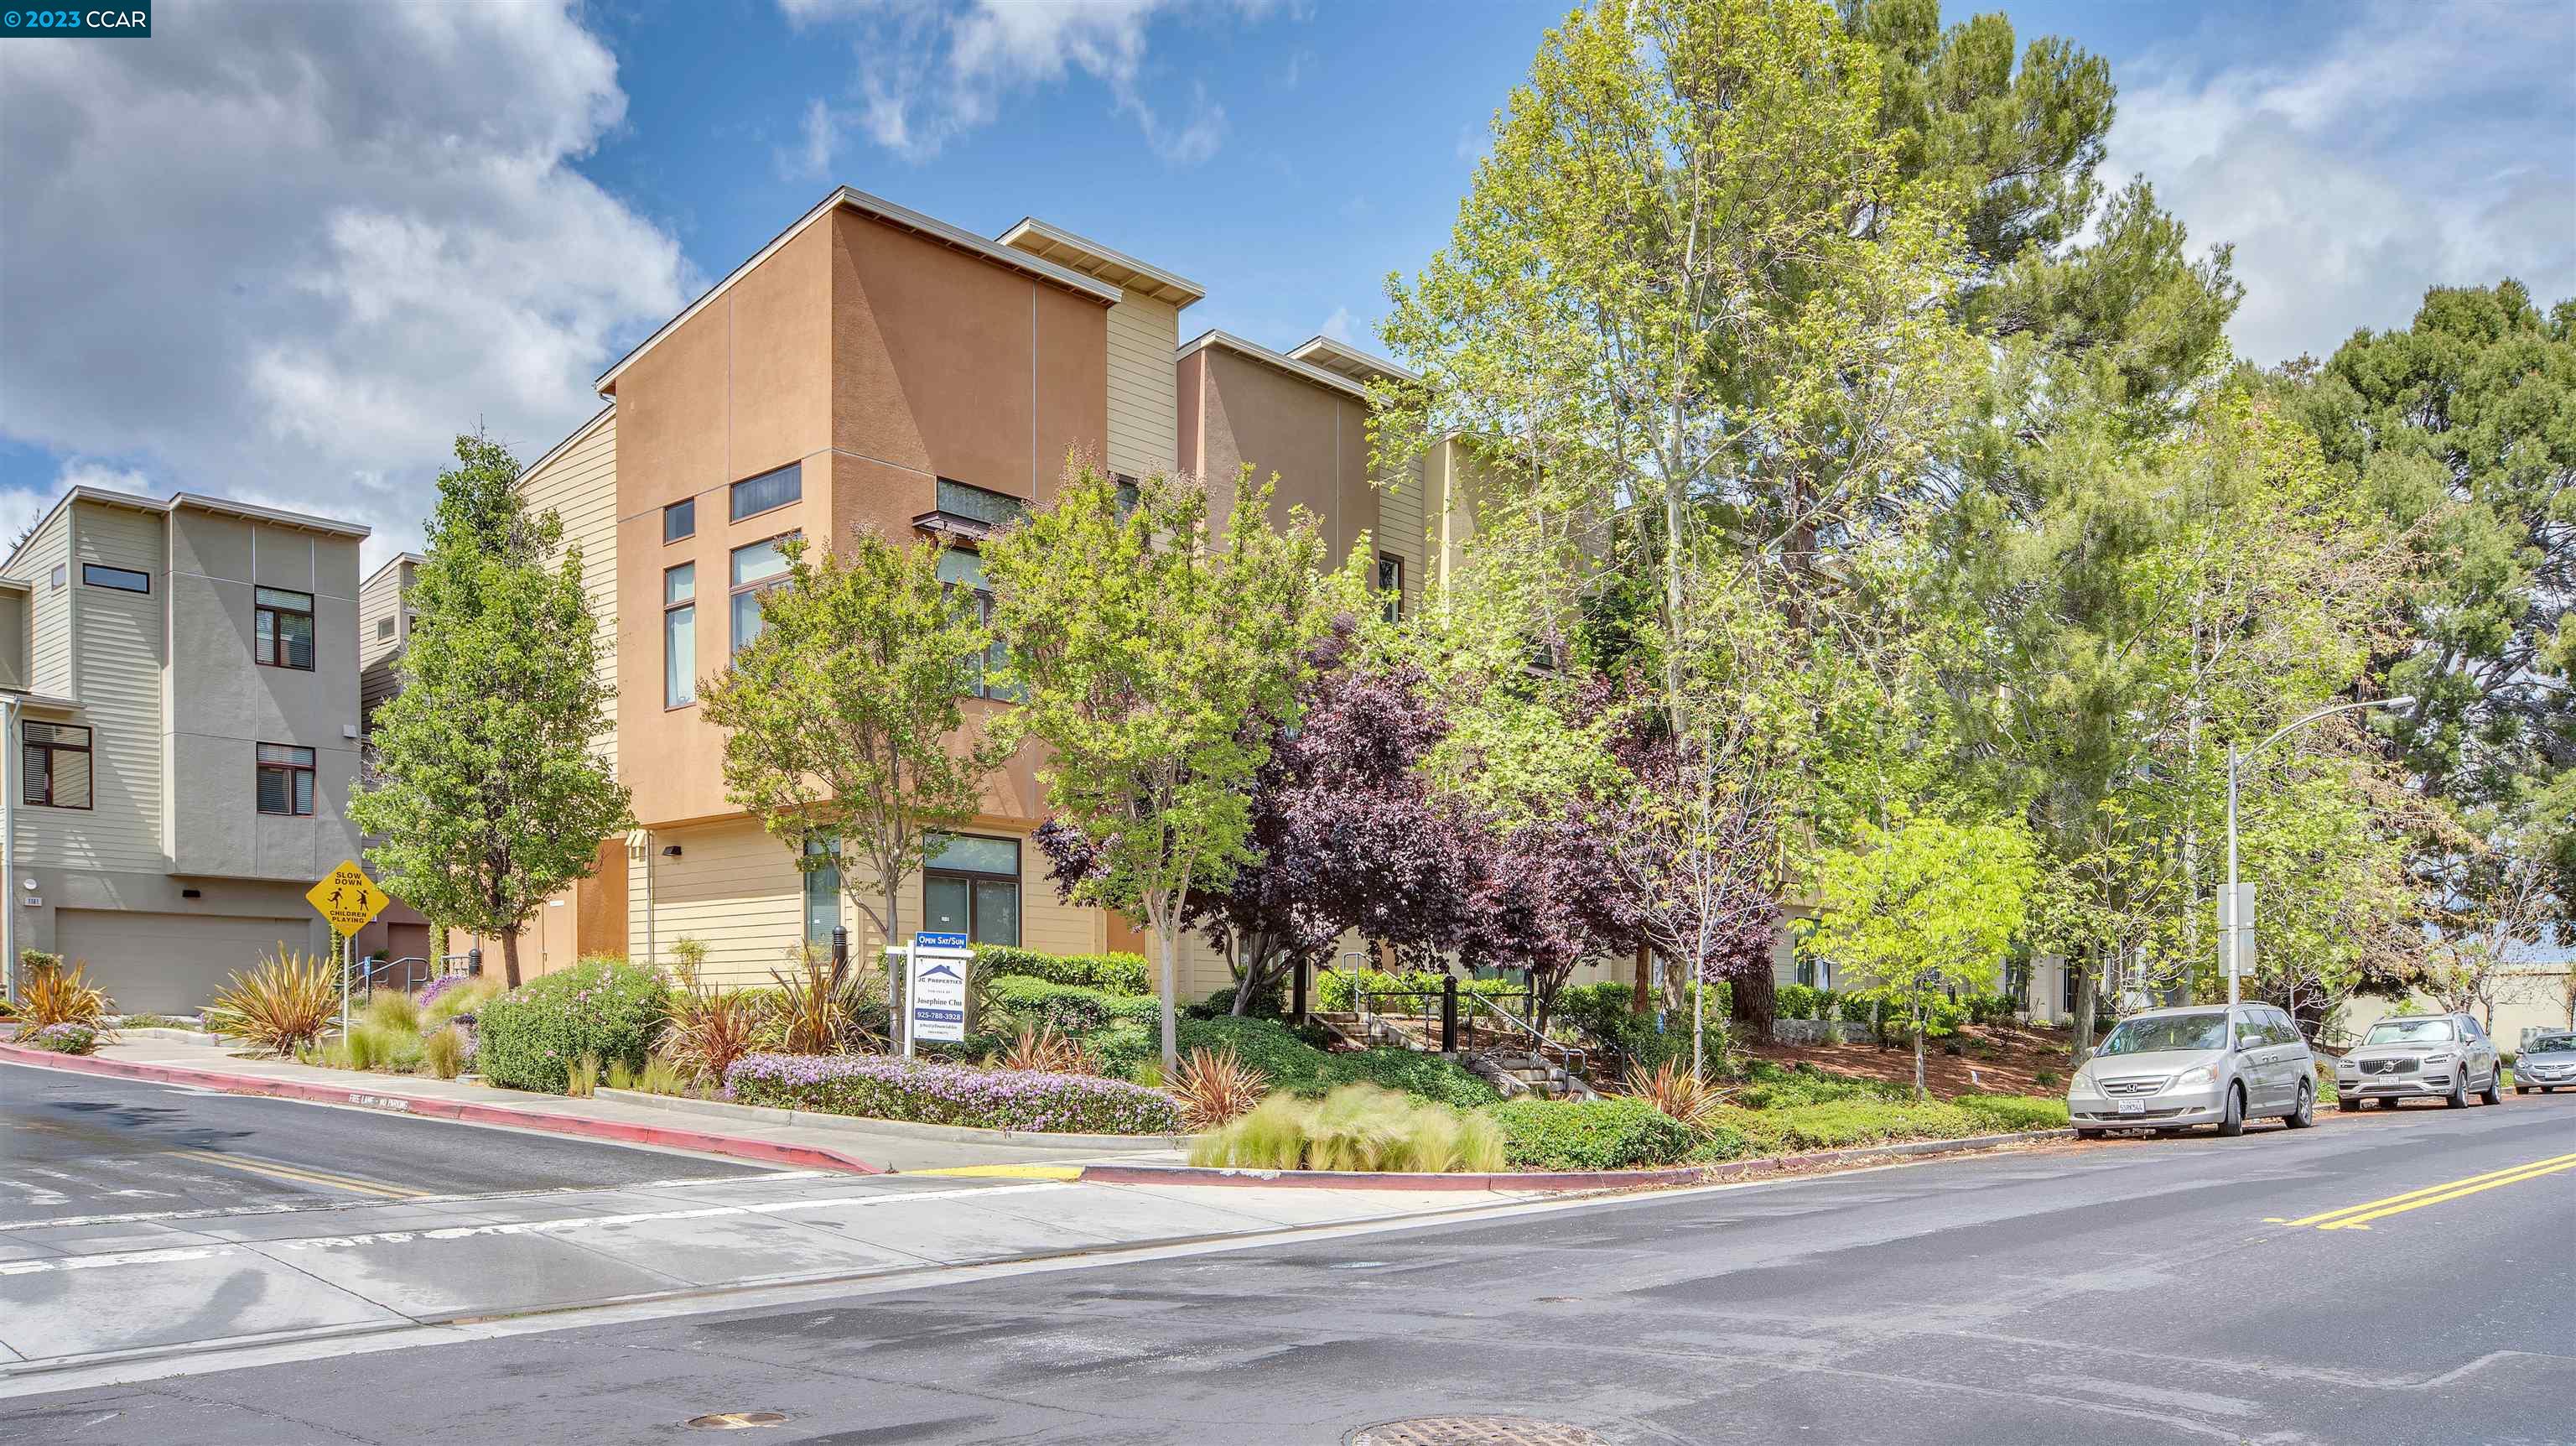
(935, 996)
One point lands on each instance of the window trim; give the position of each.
(669, 608)
(734, 488)
(313, 790)
(971, 877)
(87, 568)
(277, 634)
(668, 536)
(49, 749)
(734, 645)
(62, 576)
(384, 628)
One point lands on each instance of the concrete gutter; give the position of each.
(770, 1152)
(870, 1125)
(1555, 1180)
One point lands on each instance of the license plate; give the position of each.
(2133, 1107)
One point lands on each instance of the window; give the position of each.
(123, 579)
(766, 492)
(282, 623)
(756, 569)
(1390, 581)
(286, 780)
(822, 891)
(2066, 989)
(680, 519)
(384, 629)
(971, 886)
(55, 758)
(680, 635)
(993, 509)
(60, 573)
(965, 570)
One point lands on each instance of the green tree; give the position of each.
(844, 715)
(1142, 639)
(487, 787)
(1923, 907)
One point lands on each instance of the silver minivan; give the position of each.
(2211, 1064)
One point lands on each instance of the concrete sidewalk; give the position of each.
(839, 1145)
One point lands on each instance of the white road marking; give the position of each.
(226, 1212)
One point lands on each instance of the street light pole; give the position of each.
(2231, 949)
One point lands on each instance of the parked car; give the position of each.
(2547, 1062)
(2169, 1069)
(2421, 1056)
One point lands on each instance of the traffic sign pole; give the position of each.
(347, 899)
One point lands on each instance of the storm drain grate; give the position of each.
(1474, 1431)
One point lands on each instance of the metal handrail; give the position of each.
(1577, 1060)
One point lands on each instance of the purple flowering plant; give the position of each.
(925, 1092)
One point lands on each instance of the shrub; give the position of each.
(443, 1050)
(1843, 1123)
(450, 995)
(1333, 991)
(688, 961)
(1212, 1087)
(370, 1045)
(2015, 1112)
(1774, 1088)
(63, 1038)
(1044, 1051)
(1075, 1008)
(50, 994)
(1609, 1134)
(1720, 1142)
(1990, 1008)
(604, 1008)
(1602, 1011)
(1356, 1127)
(818, 1014)
(1109, 973)
(710, 1028)
(882, 1087)
(395, 1010)
(1412, 1072)
(2047, 1078)
(281, 1007)
(1678, 1093)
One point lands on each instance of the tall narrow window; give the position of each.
(282, 624)
(1390, 581)
(680, 519)
(964, 571)
(822, 891)
(766, 492)
(756, 569)
(680, 635)
(285, 780)
(55, 759)
(971, 886)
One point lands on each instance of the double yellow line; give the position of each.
(298, 1175)
(2358, 1217)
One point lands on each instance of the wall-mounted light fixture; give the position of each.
(670, 851)
(192, 893)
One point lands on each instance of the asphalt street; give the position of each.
(78, 1145)
(2385, 1279)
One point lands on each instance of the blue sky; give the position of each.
(282, 251)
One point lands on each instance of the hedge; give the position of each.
(1841, 1124)
(888, 1088)
(1289, 1063)
(1605, 1134)
(2015, 1112)
(607, 1008)
(1072, 1008)
(1109, 973)
(1412, 1072)
(1602, 1010)
(1333, 990)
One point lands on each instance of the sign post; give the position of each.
(347, 899)
(934, 996)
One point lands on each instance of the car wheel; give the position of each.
(2495, 1087)
(2458, 1098)
(2234, 1122)
(2305, 1114)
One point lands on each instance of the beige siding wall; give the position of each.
(50, 608)
(119, 650)
(381, 601)
(580, 487)
(1401, 529)
(1144, 414)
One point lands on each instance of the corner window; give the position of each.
(964, 571)
(971, 886)
(680, 519)
(282, 628)
(755, 570)
(766, 493)
(123, 579)
(680, 635)
(1390, 581)
(285, 780)
(55, 758)
(384, 629)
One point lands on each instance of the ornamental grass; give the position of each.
(1213, 1087)
(51, 994)
(1357, 1127)
(1679, 1093)
(281, 1007)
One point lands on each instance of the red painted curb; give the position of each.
(1374, 1180)
(765, 1151)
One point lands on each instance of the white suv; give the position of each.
(2419, 1057)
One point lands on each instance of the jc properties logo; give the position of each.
(131, 20)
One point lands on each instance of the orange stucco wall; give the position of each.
(1237, 411)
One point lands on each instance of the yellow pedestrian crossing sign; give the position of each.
(348, 898)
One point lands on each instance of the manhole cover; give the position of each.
(736, 1420)
(1474, 1431)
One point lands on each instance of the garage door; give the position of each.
(168, 963)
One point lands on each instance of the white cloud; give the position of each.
(1337, 326)
(2420, 145)
(931, 71)
(821, 141)
(287, 259)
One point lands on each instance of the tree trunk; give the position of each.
(1753, 1001)
(1165, 942)
(1642, 1001)
(2087, 1000)
(1919, 1090)
(510, 958)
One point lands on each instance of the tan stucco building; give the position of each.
(182, 677)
